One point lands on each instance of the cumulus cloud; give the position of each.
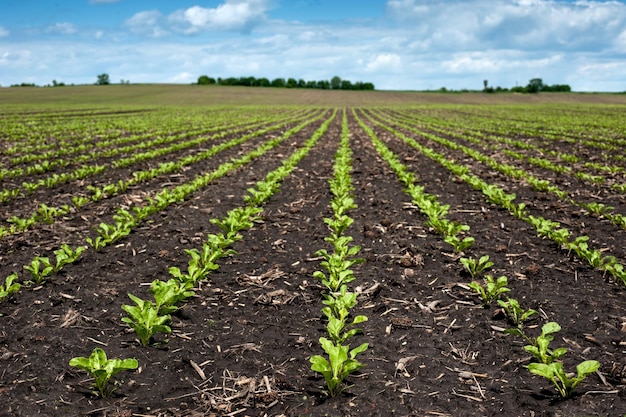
(62, 28)
(230, 15)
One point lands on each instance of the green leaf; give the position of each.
(587, 367)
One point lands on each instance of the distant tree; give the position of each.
(557, 88)
(205, 80)
(485, 84)
(346, 85)
(103, 79)
(301, 83)
(335, 82)
(311, 84)
(323, 84)
(55, 83)
(535, 85)
(278, 82)
(292, 83)
(264, 82)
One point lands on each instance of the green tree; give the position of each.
(205, 80)
(535, 85)
(346, 85)
(335, 82)
(278, 82)
(103, 79)
(292, 83)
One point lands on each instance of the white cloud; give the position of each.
(183, 77)
(385, 63)
(64, 28)
(493, 62)
(146, 23)
(231, 15)
(3, 32)
(540, 24)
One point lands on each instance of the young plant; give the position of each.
(9, 287)
(516, 314)
(168, 294)
(342, 362)
(145, 319)
(491, 290)
(103, 369)
(562, 381)
(338, 267)
(39, 269)
(475, 267)
(66, 255)
(459, 244)
(540, 349)
(340, 330)
(98, 243)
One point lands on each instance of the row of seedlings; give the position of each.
(340, 360)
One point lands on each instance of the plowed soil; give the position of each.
(241, 346)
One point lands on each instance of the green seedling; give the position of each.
(340, 330)
(238, 219)
(459, 244)
(145, 319)
(339, 304)
(103, 369)
(491, 290)
(168, 294)
(9, 287)
(339, 224)
(21, 224)
(518, 210)
(475, 267)
(342, 248)
(39, 269)
(47, 214)
(342, 363)
(80, 201)
(597, 209)
(339, 272)
(562, 381)
(98, 243)
(516, 314)
(66, 255)
(540, 348)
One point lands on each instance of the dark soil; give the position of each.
(241, 347)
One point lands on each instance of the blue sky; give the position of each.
(396, 44)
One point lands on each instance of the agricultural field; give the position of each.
(393, 259)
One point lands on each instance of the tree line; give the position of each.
(335, 83)
(535, 85)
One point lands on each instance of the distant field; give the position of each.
(194, 95)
